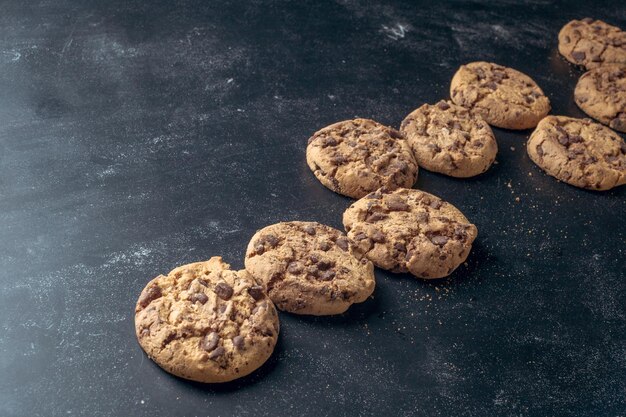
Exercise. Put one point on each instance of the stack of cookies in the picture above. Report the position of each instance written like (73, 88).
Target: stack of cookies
(208, 323)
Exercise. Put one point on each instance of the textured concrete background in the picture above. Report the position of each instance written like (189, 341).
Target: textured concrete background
(138, 136)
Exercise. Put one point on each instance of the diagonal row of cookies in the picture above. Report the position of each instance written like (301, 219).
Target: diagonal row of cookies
(208, 323)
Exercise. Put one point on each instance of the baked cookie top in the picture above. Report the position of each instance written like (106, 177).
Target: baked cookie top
(592, 43)
(355, 157)
(601, 93)
(206, 323)
(447, 138)
(309, 268)
(579, 152)
(409, 230)
(502, 96)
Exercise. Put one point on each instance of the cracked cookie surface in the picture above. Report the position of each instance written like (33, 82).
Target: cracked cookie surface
(356, 157)
(502, 96)
(601, 93)
(579, 152)
(206, 323)
(409, 230)
(309, 268)
(592, 43)
(448, 139)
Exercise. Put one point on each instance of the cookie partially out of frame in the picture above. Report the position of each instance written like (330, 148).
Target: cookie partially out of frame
(206, 323)
(449, 139)
(601, 93)
(356, 157)
(592, 43)
(502, 96)
(309, 268)
(409, 230)
(579, 152)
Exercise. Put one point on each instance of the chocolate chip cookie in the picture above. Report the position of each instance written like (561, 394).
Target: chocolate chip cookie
(309, 268)
(579, 152)
(206, 323)
(448, 139)
(601, 93)
(358, 156)
(502, 96)
(409, 230)
(592, 43)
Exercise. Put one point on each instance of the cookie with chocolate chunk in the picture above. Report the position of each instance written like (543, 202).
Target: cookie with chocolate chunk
(355, 157)
(601, 93)
(502, 96)
(448, 139)
(592, 43)
(309, 268)
(579, 152)
(408, 230)
(206, 323)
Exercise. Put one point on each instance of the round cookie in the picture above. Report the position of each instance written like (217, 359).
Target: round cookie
(448, 139)
(309, 268)
(355, 157)
(502, 96)
(408, 230)
(592, 43)
(579, 152)
(601, 93)
(206, 323)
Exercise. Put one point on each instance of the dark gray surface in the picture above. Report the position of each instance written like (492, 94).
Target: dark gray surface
(135, 137)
